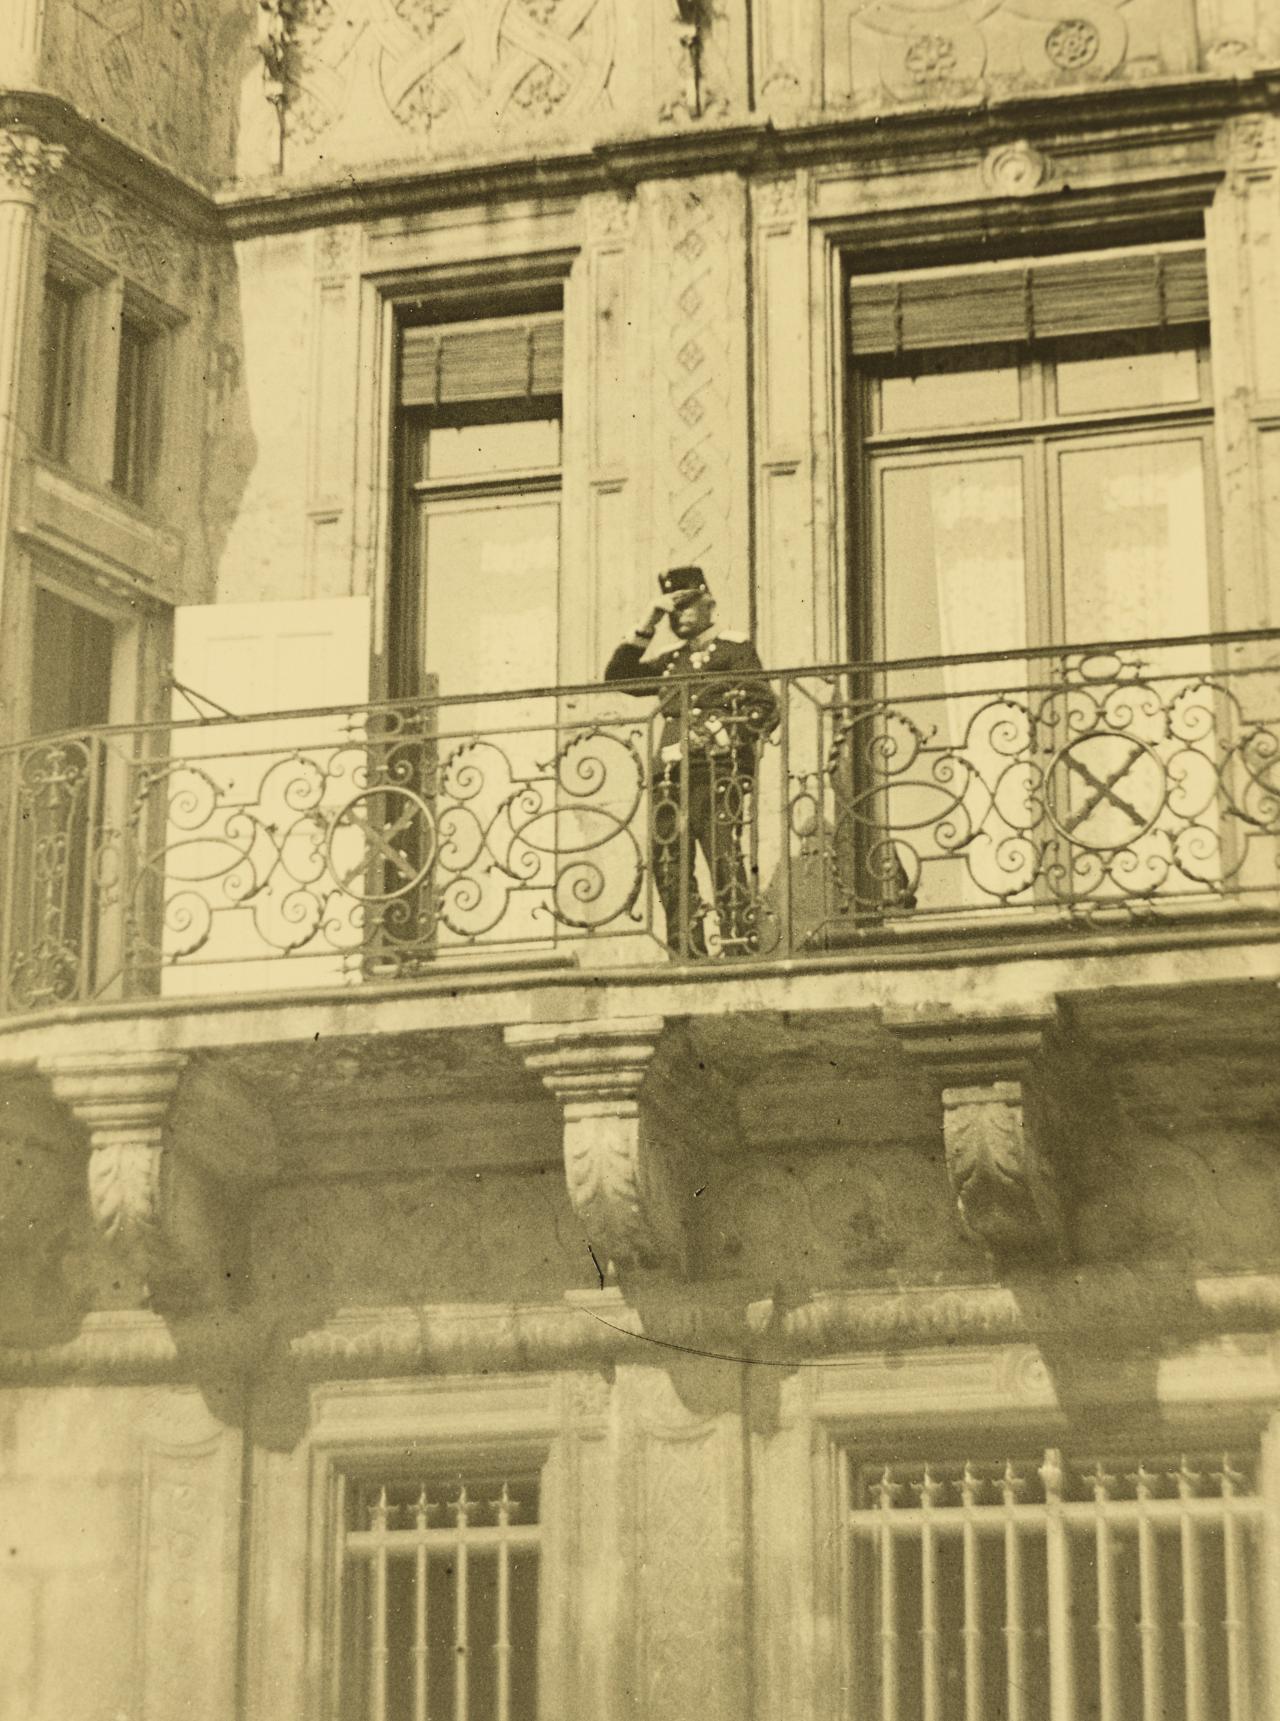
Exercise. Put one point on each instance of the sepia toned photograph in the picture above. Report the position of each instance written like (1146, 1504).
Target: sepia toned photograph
(639, 860)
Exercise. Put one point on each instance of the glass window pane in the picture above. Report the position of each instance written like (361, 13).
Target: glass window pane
(1113, 382)
(487, 450)
(1134, 542)
(58, 356)
(954, 557)
(943, 399)
(954, 576)
(492, 572)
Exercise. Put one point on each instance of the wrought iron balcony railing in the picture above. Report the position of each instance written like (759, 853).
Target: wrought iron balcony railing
(717, 821)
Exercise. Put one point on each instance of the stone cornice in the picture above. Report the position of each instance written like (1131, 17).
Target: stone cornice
(1107, 1312)
(107, 157)
(1178, 109)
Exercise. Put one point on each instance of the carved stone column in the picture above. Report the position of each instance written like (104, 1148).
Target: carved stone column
(994, 1125)
(27, 163)
(163, 1217)
(626, 1166)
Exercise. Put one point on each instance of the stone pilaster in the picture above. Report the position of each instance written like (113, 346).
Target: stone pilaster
(994, 1125)
(21, 43)
(165, 1219)
(27, 164)
(626, 1168)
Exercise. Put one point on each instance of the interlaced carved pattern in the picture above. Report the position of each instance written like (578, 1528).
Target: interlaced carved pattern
(1137, 782)
(448, 67)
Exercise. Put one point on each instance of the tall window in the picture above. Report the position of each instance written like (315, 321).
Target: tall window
(439, 1597)
(1034, 468)
(137, 422)
(61, 381)
(1050, 1586)
(1036, 452)
(478, 607)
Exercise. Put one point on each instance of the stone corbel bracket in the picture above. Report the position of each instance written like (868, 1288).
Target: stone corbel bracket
(161, 1140)
(631, 1145)
(995, 1125)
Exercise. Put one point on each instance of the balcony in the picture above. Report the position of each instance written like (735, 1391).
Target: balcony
(807, 813)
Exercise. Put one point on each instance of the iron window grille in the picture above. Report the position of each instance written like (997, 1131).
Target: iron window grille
(438, 1597)
(1056, 1587)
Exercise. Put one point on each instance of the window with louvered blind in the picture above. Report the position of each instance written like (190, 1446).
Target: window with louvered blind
(1031, 464)
(476, 601)
(999, 304)
(1033, 458)
(503, 359)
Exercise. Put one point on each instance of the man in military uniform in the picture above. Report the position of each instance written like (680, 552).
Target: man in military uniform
(716, 708)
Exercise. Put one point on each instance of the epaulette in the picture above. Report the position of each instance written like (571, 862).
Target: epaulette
(737, 638)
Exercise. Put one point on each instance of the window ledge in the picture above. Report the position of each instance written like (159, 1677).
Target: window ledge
(100, 529)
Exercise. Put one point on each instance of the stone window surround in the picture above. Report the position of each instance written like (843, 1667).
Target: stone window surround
(514, 1422)
(107, 298)
(944, 1403)
(922, 224)
(452, 287)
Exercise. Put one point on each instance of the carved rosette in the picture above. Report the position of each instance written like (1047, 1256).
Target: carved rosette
(159, 1220)
(617, 1159)
(28, 164)
(994, 1127)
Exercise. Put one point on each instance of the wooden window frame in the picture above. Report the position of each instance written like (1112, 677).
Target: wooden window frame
(1036, 435)
(137, 465)
(407, 619)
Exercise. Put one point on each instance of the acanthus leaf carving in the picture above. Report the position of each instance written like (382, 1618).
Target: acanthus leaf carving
(617, 1155)
(995, 1124)
(28, 164)
(163, 1218)
(1002, 1185)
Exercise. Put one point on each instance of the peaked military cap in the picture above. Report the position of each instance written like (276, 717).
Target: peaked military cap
(682, 580)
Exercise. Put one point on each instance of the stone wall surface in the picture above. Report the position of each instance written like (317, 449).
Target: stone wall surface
(161, 74)
(117, 1557)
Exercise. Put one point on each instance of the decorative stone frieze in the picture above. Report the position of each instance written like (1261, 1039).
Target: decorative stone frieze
(626, 1159)
(165, 1219)
(994, 1125)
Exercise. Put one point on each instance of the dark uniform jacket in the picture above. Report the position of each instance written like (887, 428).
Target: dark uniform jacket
(731, 707)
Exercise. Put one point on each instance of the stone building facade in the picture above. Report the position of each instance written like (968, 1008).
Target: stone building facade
(430, 1286)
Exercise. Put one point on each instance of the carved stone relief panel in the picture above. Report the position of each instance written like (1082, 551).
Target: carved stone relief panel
(1236, 35)
(880, 53)
(444, 77)
(127, 237)
(685, 1514)
(699, 379)
(158, 72)
(189, 1556)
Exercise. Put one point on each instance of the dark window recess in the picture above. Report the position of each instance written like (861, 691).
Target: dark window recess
(59, 365)
(137, 411)
(71, 680)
